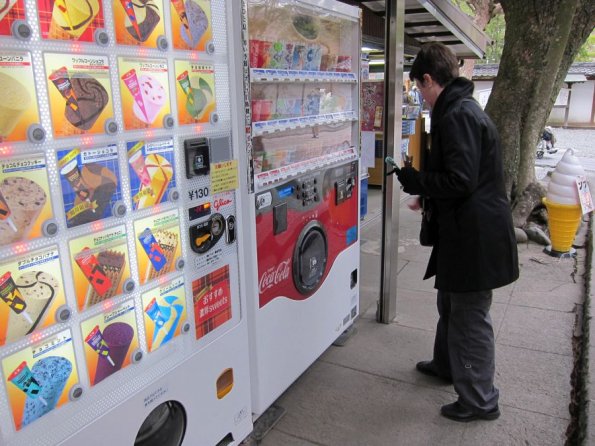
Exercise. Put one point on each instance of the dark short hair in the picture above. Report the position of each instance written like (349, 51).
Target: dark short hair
(437, 60)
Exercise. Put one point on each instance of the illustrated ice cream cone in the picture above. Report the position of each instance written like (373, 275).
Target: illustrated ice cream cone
(52, 374)
(160, 172)
(25, 199)
(15, 101)
(154, 98)
(71, 18)
(38, 289)
(118, 336)
(168, 242)
(563, 203)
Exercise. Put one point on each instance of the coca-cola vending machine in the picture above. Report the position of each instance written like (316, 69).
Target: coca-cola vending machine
(122, 289)
(302, 99)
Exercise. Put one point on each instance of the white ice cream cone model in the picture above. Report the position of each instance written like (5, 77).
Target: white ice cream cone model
(563, 205)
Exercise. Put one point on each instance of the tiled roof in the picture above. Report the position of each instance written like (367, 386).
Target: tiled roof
(489, 71)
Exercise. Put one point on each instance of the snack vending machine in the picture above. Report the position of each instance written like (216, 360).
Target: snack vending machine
(122, 296)
(302, 100)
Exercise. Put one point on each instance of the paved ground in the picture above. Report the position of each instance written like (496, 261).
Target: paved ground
(367, 392)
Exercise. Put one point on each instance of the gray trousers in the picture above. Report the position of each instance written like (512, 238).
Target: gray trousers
(464, 347)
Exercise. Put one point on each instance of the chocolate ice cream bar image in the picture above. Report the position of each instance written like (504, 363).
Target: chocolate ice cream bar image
(143, 20)
(38, 289)
(152, 249)
(11, 295)
(93, 271)
(26, 200)
(168, 242)
(118, 336)
(98, 344)
(112, 263)
(127, 5)
(61, 80)
(92, 98)
(52, 374)
(25, 381)
(198, 23)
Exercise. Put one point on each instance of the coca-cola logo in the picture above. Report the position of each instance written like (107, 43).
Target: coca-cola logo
(273, 276)
(220, 202)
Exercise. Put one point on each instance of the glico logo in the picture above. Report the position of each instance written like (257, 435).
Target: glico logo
(273, 276)
(220, 202)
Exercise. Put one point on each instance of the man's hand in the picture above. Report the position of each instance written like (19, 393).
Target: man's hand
(409, 178)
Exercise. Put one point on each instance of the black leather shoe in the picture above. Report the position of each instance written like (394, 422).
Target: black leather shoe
(458, 412)
(428, 368)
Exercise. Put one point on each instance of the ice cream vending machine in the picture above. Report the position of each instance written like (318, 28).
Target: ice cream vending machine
(301, 78)
(122, 299)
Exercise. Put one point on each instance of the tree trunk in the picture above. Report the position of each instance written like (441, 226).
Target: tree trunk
(542, 39)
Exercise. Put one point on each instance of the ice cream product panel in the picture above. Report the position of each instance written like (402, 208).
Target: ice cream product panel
(70, 19)
(79, 93)
(158, 247)
(110, 338)
(138, 22)
(90, 184)
(100, 265)
(24, 198)
(145, 92)
(211, 296)
(39, 378)
(31, 291)
(195, 91)
(151, 171)
(164, 311)
(18, 110)
(191, 24)
(10, 12)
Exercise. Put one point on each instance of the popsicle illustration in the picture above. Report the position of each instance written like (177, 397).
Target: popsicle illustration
(137, 161)
(184, 81)
(129, 8)
(131, 81)
(5, 213)
(181, 10)
(25, 381)
(72, 173)
(93, 271)
(11, 295)
(61, 5)
(152, 249)
(156, 313)
(61, 80)
(98, 344)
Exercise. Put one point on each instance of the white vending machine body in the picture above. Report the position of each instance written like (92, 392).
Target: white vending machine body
(123, 212)
(302, 99)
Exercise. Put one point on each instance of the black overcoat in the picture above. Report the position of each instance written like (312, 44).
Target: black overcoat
(463, 175)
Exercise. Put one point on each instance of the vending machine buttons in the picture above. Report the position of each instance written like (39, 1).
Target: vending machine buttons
(230, 235)
(206, 234)
(197, 157)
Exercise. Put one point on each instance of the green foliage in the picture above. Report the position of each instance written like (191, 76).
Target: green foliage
(587, 51)
(495, 29)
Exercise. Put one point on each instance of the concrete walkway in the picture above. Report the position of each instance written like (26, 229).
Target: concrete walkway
(368, 393)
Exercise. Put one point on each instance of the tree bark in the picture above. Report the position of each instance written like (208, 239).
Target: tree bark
(542, 39)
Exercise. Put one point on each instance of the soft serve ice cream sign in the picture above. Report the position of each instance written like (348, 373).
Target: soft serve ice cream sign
(567, 198)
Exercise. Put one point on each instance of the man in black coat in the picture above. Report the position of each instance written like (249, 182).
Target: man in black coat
(475, 246)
